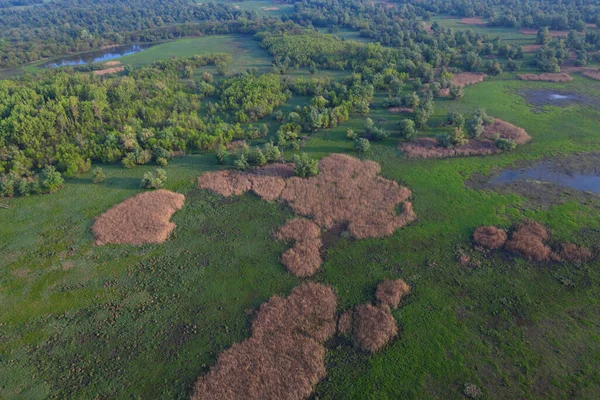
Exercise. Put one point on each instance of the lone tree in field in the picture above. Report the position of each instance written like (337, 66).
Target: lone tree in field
(407, 129)
(456, 92)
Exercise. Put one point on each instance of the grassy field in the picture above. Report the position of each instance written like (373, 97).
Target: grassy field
(511, 35)
(81, 321)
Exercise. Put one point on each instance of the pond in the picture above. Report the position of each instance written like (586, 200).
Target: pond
(544, 172)
(545, 97)
(97, 56)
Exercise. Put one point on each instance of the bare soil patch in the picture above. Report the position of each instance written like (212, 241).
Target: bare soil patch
(303, 259)
(284, 358)
(473, 21)
(558, 77)
(106, 71)
(144, 218)
(486, 145)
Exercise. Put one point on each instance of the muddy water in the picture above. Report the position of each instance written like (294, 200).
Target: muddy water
(547, 97)
(544, 172)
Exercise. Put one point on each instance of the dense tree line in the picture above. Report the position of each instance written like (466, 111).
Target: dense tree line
(62, 26)
(68, 119)
(18, 3)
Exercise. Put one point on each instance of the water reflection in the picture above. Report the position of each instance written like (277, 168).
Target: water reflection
(97, 56)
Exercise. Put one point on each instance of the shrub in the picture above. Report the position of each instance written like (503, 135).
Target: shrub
(150, 181)
(257, 157)
(407, 129)
(456, 92)
(222, 154)
(490, 237)
(574, 253)
(7, 187)
(362, 145)
(475, 127)
(51, 179)
(455, 118)
(99, 175)
(272, 152)
(242, 162)
(444, 140)
(506, 144)
(350, 134)
(305, 166)
(24, 188)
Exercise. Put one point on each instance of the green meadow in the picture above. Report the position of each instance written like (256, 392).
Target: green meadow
(82, 321)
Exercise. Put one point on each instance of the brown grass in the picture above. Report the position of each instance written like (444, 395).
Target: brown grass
(112, 63)
(270, 8)
(531, 48)
(528, 241)
(144, 218)
(572, 252)
(373, 327)
(591, 74)
(473, 21)
(398, 110)
(547, 77)
(490, 237)
(468, 78)
(505, 130)
(284, 358)
(349, 190)
(304, 258)
(346, 190)
(106, 71)
(390, 292)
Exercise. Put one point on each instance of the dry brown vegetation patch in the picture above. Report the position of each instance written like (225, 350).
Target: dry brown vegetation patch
(528, 241)
(398, 110)
(303, 258)
(430, 148)
(473, 21)
(344, 326)
(526, 31)
(284, 358)
(592, 74)
(572, 252)
(531, 48)
(350, 190)
(547, 77)
(468, 78)
(106, 71)
(346, 190)
(490, 237)
(390, 292)
(144, 218)
(112, 63)
(373, 327)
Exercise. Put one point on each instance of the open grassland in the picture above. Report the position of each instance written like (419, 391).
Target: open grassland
(81, 321)
(512, 35)
(267, 8)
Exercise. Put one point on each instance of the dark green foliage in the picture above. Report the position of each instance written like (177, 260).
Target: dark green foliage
(362, 145)
(272, 152)
(241, 162)
(51, 179)
(154, 181)
(506, 144)
(222, 154)
(99, 175)
(305, 166)
(456, 92)
(475, 127)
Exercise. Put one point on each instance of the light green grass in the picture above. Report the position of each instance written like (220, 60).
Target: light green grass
(511, 35)
(81, 321)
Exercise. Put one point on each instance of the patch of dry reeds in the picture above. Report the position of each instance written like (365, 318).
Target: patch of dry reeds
(572, 252)
(284, 358)
(349, 190)
(473, 21)
(490, 237)
(505, 130)
(303, 258)
(547, 77)
(107, 71)
(591, 74)
(112, 63)
(531, 48)
(373, 327)
(144, 218)
(390, 292)
(346, 190)
(526, 31)
(468, 78)
(398, 110)
(528, 241)
(430, 148)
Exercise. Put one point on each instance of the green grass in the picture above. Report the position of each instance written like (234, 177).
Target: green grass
(81, 321)
(511, 35)
(264, 8)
